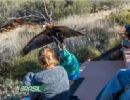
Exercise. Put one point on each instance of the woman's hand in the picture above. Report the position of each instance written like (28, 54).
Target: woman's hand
(61, 46)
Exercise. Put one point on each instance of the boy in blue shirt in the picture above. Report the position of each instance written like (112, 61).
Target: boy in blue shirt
(69, 62)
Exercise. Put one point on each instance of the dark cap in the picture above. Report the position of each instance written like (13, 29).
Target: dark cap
(127, 28)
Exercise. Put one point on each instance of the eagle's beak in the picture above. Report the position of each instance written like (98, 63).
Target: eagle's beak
(44, 26)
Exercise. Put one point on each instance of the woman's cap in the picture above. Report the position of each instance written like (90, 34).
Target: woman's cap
(127, 28)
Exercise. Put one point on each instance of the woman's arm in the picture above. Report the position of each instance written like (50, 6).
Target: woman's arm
(28, 78)
(32, 79)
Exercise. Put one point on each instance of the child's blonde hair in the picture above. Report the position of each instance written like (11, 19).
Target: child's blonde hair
(48, 57)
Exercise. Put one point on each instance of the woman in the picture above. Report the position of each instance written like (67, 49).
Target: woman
(126, 36)
(53, 77)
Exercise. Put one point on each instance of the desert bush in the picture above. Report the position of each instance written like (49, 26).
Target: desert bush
(114, 43)
(104, 5)
(11, 90)
(20, 66)
(122, 16)
(87, 52)
(34, 7)
(11, 43)
(99, 32)
(58, 8)
(17, 67)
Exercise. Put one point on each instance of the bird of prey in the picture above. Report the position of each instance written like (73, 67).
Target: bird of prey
(48, 36)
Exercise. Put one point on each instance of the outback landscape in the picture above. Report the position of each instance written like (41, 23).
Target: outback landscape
(98, 20)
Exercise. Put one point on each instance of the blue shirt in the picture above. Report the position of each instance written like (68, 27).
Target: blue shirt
(70, 63)
(126, 43)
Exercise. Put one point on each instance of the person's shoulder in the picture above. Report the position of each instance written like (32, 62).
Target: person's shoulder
(60, 68)
(40, 73)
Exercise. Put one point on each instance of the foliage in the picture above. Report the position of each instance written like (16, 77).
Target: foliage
(34, 7)
(57, 7)
(20, 66)
(10, 90)
(113, 43)
(97, 5)
(122, 16)
(86, 53)
(11, 44)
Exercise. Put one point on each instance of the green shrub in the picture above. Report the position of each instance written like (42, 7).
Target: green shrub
(97, 5)
(122, 16)
(113, 43)
(58, 8)
(86, 53)
(20, 66)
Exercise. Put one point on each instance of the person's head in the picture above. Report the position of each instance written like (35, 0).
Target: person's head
(47, 58)
(126, 31)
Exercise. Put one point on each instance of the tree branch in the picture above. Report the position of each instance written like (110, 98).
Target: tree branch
(49, 16)
(24, 17)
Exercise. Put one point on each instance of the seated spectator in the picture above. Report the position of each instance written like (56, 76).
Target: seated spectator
(118, 88)
(53, 77)
(126, 36)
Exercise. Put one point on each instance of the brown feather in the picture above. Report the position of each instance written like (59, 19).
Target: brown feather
(37, 42)
(46, 37)
(66, 31)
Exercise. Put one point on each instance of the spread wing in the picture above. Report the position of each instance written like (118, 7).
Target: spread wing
(37, 42)
(67, 32)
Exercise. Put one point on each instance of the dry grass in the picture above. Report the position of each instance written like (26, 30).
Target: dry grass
(94, 26)
(18, 37)
(12, 42)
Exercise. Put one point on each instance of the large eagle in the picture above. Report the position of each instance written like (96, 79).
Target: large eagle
(49, 35)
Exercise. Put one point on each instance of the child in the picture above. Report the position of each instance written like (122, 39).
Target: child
(69, 62)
